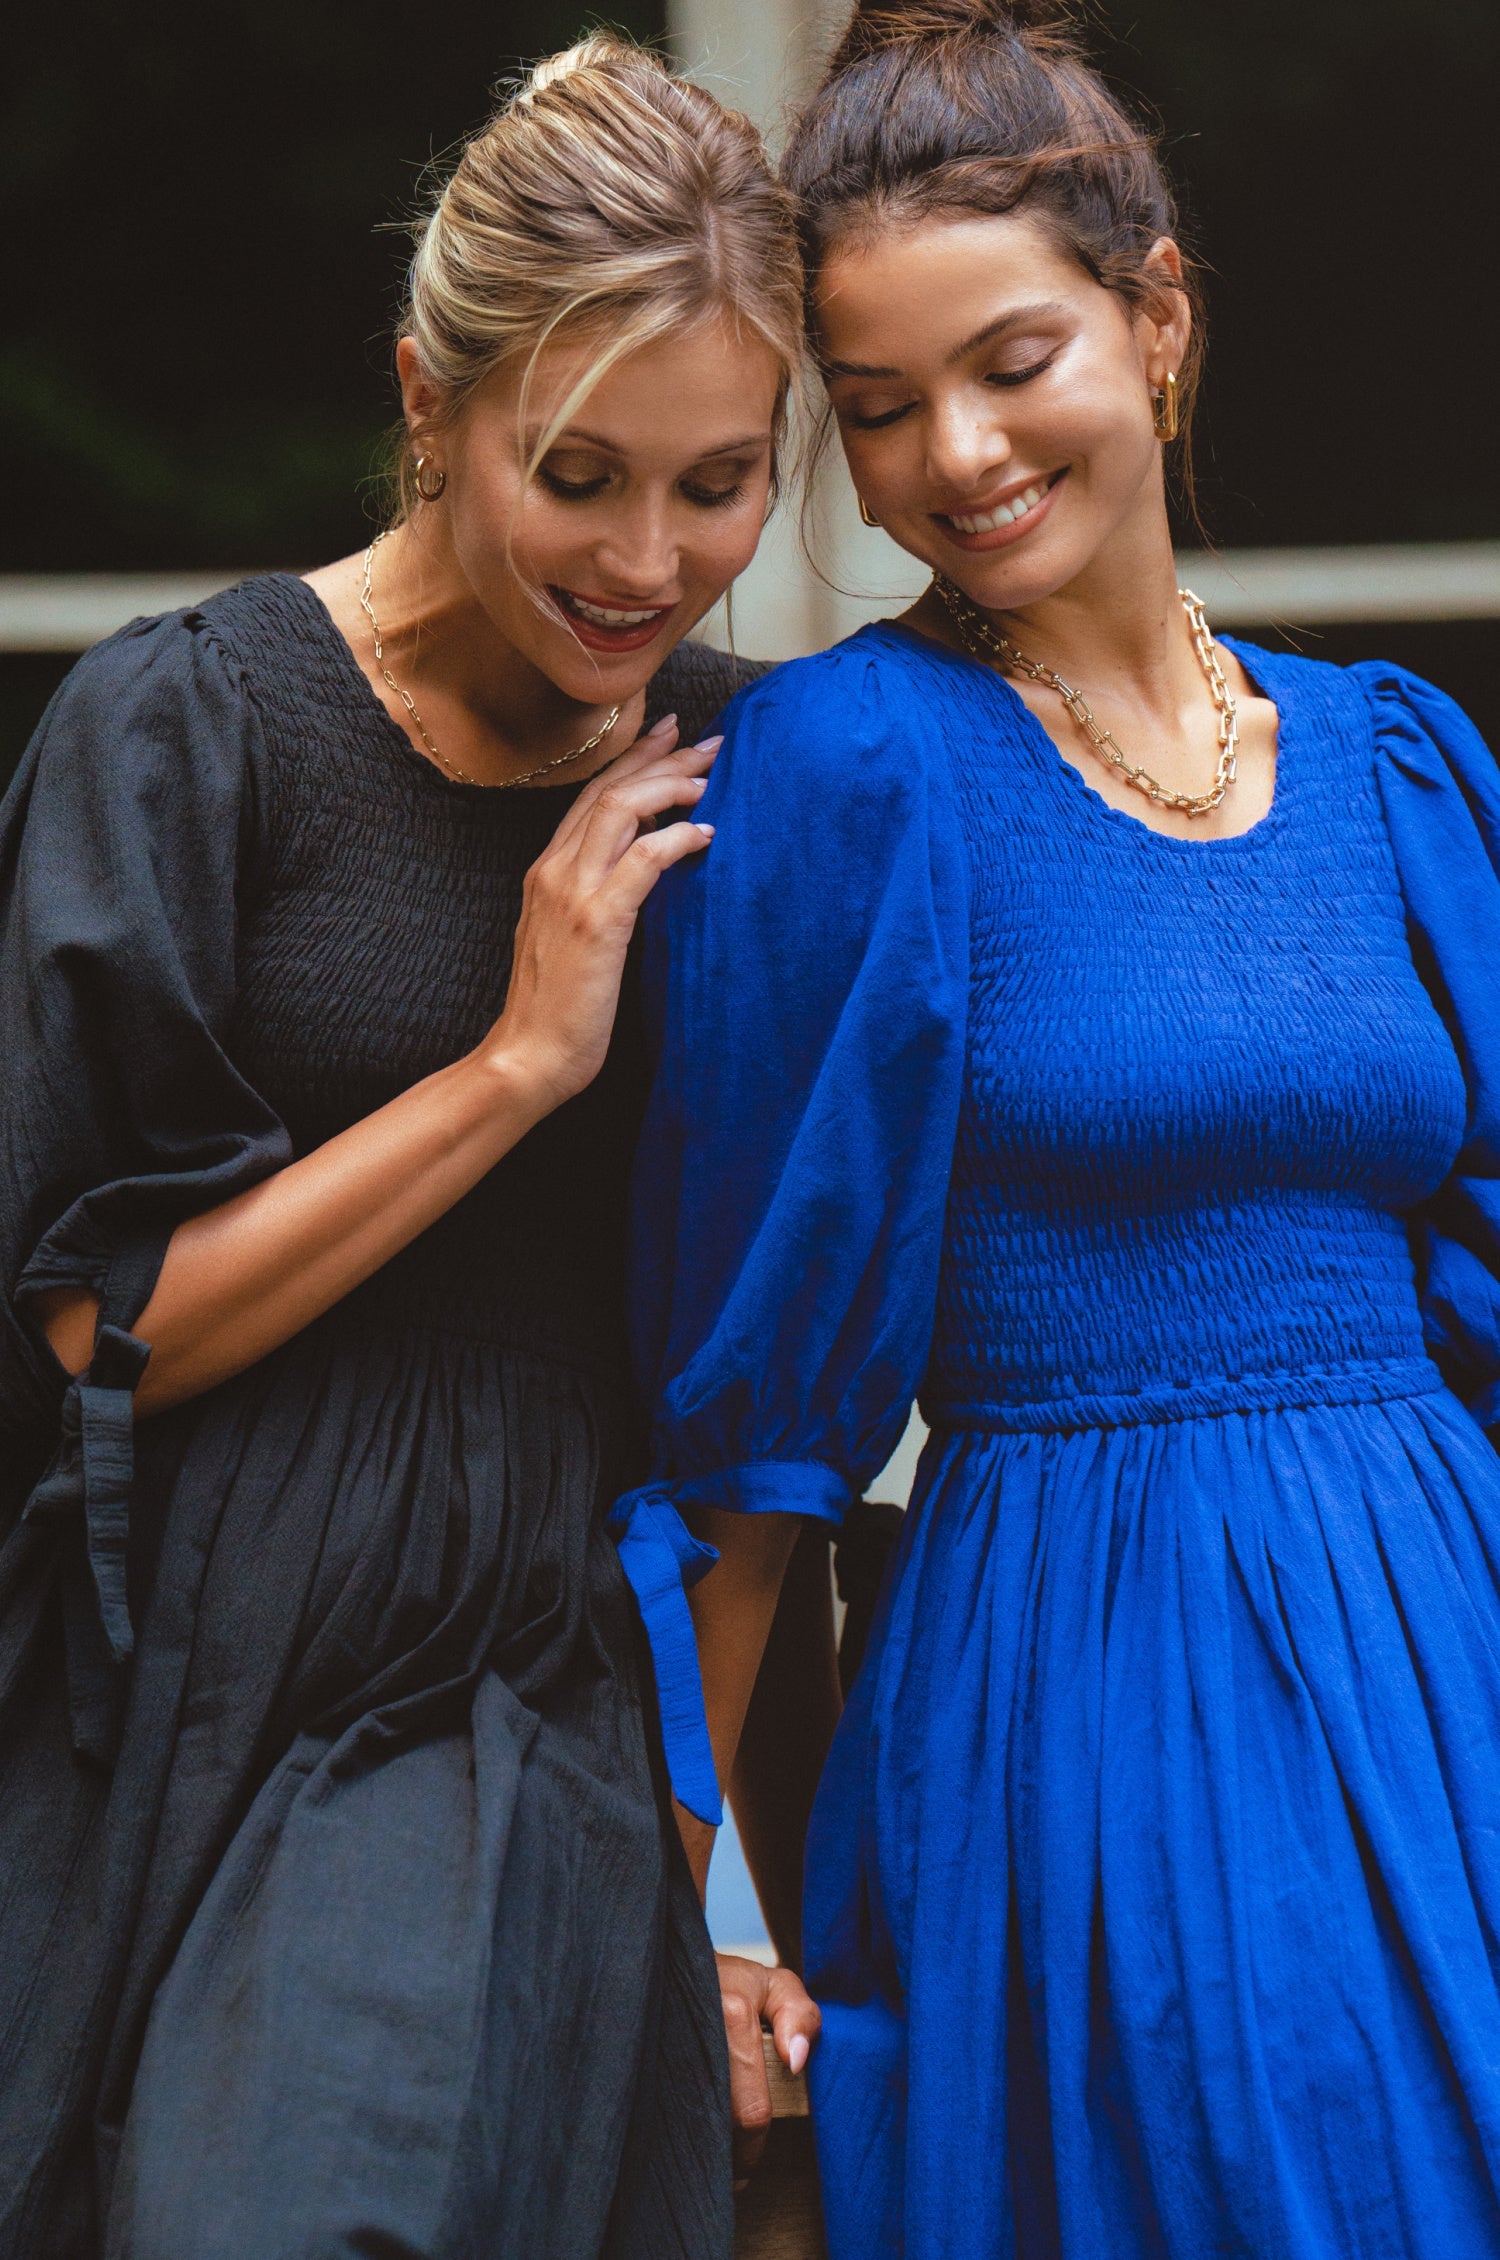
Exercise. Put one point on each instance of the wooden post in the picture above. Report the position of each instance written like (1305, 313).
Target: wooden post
(763, 57)
(778, 2217)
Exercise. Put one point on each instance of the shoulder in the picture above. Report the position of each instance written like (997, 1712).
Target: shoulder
(1407, 710)
(695, 682)
(1284, 676)
(157, 715)
(846, 725)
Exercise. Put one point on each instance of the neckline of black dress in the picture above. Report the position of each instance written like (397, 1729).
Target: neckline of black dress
(331, 639)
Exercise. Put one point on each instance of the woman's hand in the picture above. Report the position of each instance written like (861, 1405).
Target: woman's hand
(579, 910)
(752, 1995)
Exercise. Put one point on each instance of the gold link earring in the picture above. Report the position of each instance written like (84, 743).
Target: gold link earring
(864, 513)
(1164, 407)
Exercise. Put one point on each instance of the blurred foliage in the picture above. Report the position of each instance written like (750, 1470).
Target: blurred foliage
(1336, 159)
(206, 225)
(204, 215)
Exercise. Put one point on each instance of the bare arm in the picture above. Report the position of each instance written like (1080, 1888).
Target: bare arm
(732, 1611)
(784, 1741)
(246, 1276)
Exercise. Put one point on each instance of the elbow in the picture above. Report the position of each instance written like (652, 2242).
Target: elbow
(758, 1546)
(68, 1317)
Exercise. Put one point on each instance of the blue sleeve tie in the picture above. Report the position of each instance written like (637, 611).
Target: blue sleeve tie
(661, 1559)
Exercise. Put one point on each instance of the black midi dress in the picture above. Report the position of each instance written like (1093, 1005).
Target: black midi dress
(341, 1907)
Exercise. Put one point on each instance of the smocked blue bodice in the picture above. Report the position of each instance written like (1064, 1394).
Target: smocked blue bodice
(1203, 1086)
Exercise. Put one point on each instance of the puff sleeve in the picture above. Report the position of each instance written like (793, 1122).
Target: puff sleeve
(1441, 793)
(128, 842)
(806, 986)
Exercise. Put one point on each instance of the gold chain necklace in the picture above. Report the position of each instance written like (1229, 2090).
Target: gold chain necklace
(982, 641)
(461, 776)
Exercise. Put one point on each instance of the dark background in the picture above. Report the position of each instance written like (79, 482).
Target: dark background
(203, 219)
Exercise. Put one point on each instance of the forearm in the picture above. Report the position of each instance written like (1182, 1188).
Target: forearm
(732, 1611)
(784, 1742)
(243, 1278)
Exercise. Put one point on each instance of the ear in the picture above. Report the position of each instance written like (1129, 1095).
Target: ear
(1167, 318)
(420, 398)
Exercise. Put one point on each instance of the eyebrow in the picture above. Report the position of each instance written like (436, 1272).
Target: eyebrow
(970, 344)
(610, 447)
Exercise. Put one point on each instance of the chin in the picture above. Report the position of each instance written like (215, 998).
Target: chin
(1012, 585)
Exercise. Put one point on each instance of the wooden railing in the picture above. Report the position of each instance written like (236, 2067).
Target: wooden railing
(778, 2217)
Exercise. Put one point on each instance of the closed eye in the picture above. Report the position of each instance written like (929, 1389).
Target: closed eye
(571, 490)
(713, 498)
(879, 423)
(1020, 376)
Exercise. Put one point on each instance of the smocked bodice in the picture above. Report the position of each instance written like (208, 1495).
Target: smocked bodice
(1203, 1084)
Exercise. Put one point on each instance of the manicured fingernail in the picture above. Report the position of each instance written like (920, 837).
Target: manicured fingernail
(796, 2055)
(709, 745)
(706, 829)
(665, 723)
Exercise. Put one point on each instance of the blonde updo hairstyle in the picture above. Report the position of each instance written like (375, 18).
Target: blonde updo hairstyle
(607, 200)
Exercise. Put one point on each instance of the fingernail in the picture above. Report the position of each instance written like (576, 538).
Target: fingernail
(796, 2055)
(710, 745)
(664, 723)
(706, 829)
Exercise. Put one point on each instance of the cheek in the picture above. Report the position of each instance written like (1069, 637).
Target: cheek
(1109, 433)
(717, 549)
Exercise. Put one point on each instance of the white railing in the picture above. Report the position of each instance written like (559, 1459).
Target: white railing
(1241, 587)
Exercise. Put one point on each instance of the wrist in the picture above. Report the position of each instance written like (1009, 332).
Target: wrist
(522, 1081)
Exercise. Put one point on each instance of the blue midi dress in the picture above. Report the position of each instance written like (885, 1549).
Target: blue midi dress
(1154, 1883)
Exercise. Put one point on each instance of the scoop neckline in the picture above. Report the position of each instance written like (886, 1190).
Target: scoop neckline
(1074, 784)
(396, 738)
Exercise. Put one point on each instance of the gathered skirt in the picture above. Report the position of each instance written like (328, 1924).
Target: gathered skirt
(378, 1939)
(1154, 1888)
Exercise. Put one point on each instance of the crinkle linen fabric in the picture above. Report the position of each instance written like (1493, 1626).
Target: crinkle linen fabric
(1154, 1888)
(346, 1914)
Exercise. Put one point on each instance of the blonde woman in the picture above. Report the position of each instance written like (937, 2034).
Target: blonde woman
(341, 1905)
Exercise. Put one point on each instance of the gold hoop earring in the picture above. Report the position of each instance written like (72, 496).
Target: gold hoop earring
(439, 481)
(1164, 416)
(864, 513)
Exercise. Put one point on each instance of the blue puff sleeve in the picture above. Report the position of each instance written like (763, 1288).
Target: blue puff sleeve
(128, 842)
(1441, 791)
(806, 985)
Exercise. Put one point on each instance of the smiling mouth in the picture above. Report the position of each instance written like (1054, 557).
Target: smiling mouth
(1011, 513)
(618, 617)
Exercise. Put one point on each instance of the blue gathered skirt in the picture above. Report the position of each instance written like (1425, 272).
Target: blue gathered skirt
(1155, 1881)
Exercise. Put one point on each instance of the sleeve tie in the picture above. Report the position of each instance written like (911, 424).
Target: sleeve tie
(84, 1500)
(661, 1559)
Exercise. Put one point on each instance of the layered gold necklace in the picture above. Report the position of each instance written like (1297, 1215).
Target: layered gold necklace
(461, 776)
(982, 641)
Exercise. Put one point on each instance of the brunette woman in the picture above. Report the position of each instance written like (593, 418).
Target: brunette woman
(1112, 1050)
(341, 1906)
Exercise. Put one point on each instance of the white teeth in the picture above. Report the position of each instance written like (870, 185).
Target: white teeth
(608, 619)
(987, 521)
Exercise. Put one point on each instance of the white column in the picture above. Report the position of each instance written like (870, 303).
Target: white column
(763, 57)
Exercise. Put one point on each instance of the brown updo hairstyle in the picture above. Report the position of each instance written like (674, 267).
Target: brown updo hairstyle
(984, 106)
(607, 199)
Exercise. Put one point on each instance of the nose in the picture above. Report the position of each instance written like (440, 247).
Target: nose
(638, 553)
(968, 447)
